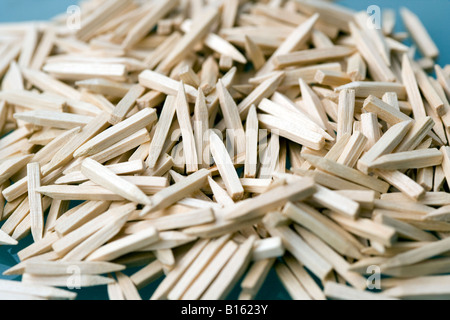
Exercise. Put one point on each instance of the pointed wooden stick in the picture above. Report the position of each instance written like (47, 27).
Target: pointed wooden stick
(410, 159)
(108, 179)
(347, 173)
(295, 40)
(419, 34)
(35, 200)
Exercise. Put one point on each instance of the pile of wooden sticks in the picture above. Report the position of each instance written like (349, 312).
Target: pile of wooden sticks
(209, 141)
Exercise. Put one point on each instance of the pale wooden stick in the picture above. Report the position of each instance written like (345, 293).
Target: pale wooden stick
(180, 190)
(108, 179)
(367, 229)
(410, 159)
(356, 67)
(74, 238)
(125, 245)
(53, 119)
(147, 275)
(315, 107)
(404, 229)
(234, 269)
(203, 261)
(417, 133)
(226, 167)
(370, 128)
(199, 29)
(353, 150)
(12, 165)
(65, 154)
(377, 66)
(176, 273)
(311, 56)
(322, 227)
(336, 202)
(100, 237)
(183, 115)
(295, 40)
(417, 255)
(342, 292)
(410, 82)
(290, 282)
(118, 132)
(45, 292)
(231, 117)
(162, 129)
(338, 263)
(347, 173)
(161, 83)
(63, 268)
(80, 215)
(251, 144)
(6, 240)
(302, 251)
(255, 277)
(384, 111)
(271, 200)
(35, 200)
(304, 278)
(332, 78)
(346, 111)
(126, 104)
(419, 34)
(268, 248)
(201, 126)
(254, 53)
(386, 144)
(148, 22)
(85, 281)
(198, 287)
(130, 167)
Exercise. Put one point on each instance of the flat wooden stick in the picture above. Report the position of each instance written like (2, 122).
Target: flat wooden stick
(145, 25)
(386, 144)
(417, 255)
(116, 133)
(199, 29)
(335, 260)
(342, 292)
(410, 159)
(291, 284)
(410, 82)
(184, 119)
(128, 244)
(35, 200)
(108, 179)
(180, 190)
(226, 167)
(295, 40)
(347, 173)
(322, 227)
(302, 251)
(419, 34)
(46, 292)
(346, 111)
(231, 273)
(384, 111)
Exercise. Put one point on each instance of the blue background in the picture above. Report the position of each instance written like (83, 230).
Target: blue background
(433, 13)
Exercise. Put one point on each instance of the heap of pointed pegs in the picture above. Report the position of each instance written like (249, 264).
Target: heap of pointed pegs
(208, 142)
